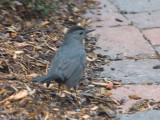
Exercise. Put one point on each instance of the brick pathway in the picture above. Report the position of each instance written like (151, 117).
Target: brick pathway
(130, 36)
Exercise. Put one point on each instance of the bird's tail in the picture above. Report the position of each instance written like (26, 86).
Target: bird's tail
(47, 78)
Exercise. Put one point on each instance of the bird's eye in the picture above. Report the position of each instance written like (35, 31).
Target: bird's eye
(81, 33)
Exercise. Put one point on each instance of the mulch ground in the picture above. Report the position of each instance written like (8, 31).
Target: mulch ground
(29, 41)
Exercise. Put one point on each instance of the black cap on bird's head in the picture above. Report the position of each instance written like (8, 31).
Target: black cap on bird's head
(76, 28)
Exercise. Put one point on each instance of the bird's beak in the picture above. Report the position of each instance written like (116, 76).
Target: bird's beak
(89, 30)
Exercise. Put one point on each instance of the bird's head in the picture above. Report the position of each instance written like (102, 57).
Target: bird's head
(78, 32)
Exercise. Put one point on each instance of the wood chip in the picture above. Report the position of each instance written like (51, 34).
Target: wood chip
(134, 96)
(108, 111)
(100, 84)
(86, 116)
(21, 94)
(94, 108)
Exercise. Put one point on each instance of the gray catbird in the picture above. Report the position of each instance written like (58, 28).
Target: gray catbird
(69, 61)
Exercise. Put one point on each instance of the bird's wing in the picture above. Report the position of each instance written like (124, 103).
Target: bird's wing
(73, 70)
(75, 77)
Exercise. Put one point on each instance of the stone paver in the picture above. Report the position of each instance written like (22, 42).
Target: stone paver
(137, 5)
(145, 20)
(158, 49)
(124, 41)
(109, 7)
(153, 35)
(108, 19)
(148, 92)
(119, 42)
(95, 14)
(126, 37)
(131, 71)
(145, 115)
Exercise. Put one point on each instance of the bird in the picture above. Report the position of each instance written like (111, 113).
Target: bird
(69, 62)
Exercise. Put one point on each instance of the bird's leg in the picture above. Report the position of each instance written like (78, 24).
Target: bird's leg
(75, 90)
(48, 83)
(76, 97)
(59, 86)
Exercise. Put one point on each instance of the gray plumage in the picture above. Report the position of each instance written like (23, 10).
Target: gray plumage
(69, 62)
